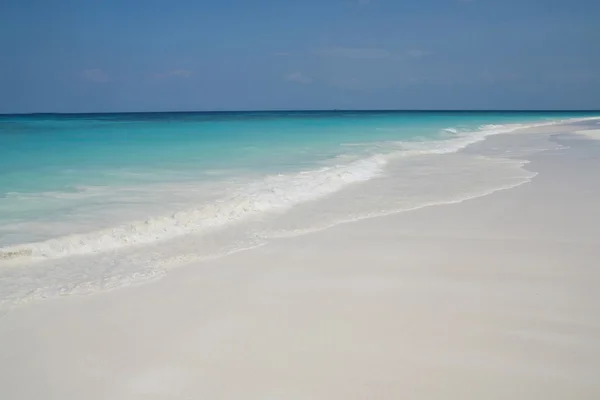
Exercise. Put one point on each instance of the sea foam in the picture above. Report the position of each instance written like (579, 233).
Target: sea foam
(373, 179)
(274, 193)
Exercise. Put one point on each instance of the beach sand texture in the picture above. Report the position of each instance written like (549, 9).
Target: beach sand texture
(494, 297)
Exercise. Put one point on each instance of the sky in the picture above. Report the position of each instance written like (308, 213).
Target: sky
(184, 55)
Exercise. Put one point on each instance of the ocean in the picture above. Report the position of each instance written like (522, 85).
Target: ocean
(91, 202)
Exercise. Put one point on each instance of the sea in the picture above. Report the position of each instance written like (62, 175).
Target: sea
(92, 202)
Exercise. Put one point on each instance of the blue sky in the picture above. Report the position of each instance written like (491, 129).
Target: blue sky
(150, 55)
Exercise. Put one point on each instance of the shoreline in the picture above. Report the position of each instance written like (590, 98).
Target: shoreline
(395, 184)
(475, 146)
(493, 297)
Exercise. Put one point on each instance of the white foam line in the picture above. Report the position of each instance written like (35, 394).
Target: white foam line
(488, 192)
(494, 130)
(274, 193)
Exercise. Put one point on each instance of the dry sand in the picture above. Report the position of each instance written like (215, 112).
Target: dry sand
(493, 298)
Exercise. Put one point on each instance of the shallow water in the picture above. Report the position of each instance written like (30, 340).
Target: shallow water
(89, 202)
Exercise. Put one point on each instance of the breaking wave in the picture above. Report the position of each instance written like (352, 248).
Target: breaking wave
(274, 193)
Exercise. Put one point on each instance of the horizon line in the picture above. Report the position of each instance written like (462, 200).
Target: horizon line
(300, 111)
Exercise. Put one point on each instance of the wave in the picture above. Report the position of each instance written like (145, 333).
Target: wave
(458, 140)
(271, 194)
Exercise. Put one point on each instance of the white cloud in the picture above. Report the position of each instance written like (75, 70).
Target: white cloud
(95, 75)
(356, 53)
(298, 77)
(176, 73)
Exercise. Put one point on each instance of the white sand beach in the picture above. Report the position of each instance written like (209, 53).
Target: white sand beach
(494, 297)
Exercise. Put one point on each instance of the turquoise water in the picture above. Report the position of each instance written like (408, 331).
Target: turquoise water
(64, 152)
(99, 189)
